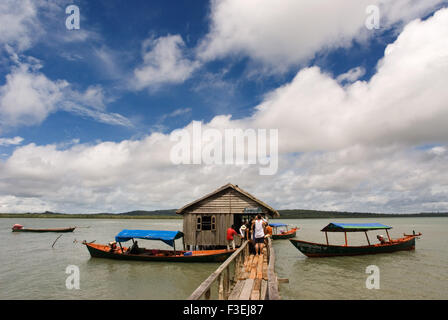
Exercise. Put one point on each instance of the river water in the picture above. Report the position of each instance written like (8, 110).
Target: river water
(31, 269)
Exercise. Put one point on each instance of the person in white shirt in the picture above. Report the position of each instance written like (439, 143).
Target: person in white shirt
(258, 228)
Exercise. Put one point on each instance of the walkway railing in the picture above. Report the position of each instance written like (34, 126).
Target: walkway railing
(272, 277)
(222, 276)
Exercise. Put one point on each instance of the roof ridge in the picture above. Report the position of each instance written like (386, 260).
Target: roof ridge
(234, 187)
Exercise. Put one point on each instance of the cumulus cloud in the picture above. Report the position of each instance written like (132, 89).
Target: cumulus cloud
(131, 175)
(10, 141)
(351, 75)
(19, 21)
(28, 97)
(283, 33)
(404, 102)
(164, 62)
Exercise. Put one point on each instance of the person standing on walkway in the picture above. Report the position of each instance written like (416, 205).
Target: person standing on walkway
(230, 241)
(258, 228)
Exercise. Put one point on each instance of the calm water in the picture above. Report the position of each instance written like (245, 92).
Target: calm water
(31, 269)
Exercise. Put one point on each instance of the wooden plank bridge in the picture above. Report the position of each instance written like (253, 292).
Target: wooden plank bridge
(242, 276)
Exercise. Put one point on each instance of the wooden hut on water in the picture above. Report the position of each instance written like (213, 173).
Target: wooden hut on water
(206, 220)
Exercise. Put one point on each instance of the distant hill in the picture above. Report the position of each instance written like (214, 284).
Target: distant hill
(171, 213)
(317, 214)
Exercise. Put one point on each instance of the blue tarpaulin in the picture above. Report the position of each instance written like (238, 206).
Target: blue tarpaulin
(278, 225)
(353, 227)
(166, 236)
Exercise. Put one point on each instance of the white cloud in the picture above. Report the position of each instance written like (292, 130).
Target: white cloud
(18, 23)
(28, 97)
(131, 175)
(404, 102)
(284, 33)
(10, 141)
(163, 63)
(351, 75)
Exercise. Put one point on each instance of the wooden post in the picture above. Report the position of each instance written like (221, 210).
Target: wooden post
(345, 233)
(326, 237)
(174, 246)
(207, 294)
(387, 232)
(238, 267)
(220, 287)
(368, 241)
(183, 243)
(226, 282)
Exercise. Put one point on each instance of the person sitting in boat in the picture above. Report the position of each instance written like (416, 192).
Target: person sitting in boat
(113, 246)
(381, 239)
(134, 249)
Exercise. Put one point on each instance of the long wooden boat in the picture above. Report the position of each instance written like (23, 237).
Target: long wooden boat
(280, 233)
(104, 251)
(311, 249)
(112, 251)
(18, 228)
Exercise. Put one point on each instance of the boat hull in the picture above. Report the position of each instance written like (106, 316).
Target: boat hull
(312, 250)
(44, 230)
(103, 251)
(287, 235)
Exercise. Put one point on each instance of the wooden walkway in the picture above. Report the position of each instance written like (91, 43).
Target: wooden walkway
(252, 282)
(243, 277)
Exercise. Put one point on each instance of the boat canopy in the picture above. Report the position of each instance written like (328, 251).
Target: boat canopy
(166, 236)
(278, 225)
(354, 227)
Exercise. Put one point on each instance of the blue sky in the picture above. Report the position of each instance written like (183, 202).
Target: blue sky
(141, 68)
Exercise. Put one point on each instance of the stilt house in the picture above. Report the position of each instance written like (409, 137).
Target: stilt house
(206, 220)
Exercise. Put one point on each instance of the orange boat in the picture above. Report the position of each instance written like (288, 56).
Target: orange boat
(112, 251)
(282, 231)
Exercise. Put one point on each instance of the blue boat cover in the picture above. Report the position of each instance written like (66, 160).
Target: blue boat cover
(278, 225)
(353, 227)
(166, 236)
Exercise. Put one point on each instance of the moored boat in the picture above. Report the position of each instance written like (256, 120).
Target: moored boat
(20, 228)
(112, 251)
(311, 249)
(282, 231)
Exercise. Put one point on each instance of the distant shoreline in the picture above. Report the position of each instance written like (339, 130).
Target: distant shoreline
(171, 214)
(81, 216)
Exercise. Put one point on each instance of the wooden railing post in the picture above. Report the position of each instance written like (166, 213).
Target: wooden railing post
(220, 287)
(226, 282)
